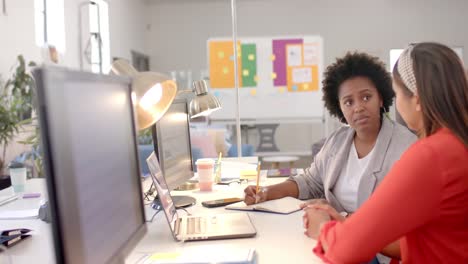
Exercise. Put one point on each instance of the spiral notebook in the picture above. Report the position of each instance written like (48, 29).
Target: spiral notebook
(285, 205)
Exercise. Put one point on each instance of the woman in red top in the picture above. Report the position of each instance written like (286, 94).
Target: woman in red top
(423, 201)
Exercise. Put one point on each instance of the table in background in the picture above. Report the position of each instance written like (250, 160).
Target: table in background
(276, 160)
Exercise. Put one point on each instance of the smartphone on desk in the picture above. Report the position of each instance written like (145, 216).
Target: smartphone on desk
(221, 202)
(286, 172)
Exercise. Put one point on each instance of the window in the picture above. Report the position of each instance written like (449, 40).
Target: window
(99, 36)
(50, 23)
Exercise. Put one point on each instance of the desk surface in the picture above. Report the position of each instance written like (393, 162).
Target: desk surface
(279, 238)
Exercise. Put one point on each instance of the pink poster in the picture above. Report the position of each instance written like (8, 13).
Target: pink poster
(279, 64)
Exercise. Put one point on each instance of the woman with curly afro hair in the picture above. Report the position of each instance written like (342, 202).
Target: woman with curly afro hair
(355, 158)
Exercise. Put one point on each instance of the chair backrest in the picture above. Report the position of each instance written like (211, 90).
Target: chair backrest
(247, 150)
(316, 147)
(267, 137)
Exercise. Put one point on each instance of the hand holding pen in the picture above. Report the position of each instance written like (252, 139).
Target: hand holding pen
(255, 194)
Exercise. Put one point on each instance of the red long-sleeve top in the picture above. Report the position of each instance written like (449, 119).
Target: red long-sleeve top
(423, 201)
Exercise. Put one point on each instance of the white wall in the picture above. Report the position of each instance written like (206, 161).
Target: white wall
(179, 29)
(17, 35)
(128, 26)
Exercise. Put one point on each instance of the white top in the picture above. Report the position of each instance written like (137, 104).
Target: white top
(347, 184)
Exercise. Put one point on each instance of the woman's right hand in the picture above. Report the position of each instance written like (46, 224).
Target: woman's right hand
(313, 201)
(252, 197)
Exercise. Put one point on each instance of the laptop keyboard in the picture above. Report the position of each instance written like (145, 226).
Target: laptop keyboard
(196, 225)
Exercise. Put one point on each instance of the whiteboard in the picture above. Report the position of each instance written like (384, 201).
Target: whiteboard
(279, 93)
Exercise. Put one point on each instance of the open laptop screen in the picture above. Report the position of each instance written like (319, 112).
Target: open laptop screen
(162, 188)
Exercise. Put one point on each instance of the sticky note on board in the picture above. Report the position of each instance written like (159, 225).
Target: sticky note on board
(253, 92)
(245, 72)
(273, 75)
(251, 57)
(272, 57)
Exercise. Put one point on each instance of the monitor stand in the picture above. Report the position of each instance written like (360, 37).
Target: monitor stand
(180, 201)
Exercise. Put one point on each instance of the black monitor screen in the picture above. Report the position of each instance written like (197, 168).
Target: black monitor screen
(91, 161)
(172, 144)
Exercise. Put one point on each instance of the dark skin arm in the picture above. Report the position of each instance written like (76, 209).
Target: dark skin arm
(280, 190)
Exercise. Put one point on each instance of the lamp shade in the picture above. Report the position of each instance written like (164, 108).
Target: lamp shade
(204, 103)
(154, 92)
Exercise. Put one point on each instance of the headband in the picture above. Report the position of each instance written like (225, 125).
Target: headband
(405, 68)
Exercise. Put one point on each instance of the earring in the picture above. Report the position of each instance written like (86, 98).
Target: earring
(384, 112)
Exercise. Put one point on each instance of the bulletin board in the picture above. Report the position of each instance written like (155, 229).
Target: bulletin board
(278, 77)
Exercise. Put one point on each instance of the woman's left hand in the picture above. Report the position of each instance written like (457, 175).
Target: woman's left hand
(334, 215)
(312, 220)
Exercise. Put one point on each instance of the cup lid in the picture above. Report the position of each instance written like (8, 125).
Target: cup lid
(15, 165)
(204, 161)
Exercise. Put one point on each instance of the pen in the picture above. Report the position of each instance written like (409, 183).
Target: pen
(218, 168)
(258, 177)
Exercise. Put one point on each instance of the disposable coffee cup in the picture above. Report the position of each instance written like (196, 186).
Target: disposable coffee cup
(205, 170)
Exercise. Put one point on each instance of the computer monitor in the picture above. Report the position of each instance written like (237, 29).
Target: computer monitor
(171, 139)
(91, 161)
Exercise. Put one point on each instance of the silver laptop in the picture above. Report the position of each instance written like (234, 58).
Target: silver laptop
(198, 227)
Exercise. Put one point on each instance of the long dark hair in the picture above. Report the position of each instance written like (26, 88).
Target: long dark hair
(442, 88)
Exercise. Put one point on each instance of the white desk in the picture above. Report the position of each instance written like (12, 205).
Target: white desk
(279, 238)
(39, 247)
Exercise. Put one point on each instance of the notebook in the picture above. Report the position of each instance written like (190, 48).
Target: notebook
(285, 205)
(198, 227)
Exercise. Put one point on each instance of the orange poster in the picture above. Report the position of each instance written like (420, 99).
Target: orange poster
(221, 59)
(302, 68)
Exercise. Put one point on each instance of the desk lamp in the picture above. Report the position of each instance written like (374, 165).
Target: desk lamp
(154, 92)
(204, 103)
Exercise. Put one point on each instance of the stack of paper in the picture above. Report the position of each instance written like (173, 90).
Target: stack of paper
(236, 170)
(19, 214)
(7, 199)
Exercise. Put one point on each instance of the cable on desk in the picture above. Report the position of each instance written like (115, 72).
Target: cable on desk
(152, 218)
(187, 212)
(149, 195)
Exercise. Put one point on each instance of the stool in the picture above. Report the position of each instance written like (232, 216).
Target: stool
(275, 160)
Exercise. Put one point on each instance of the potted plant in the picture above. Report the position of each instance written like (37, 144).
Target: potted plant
(16, 104)
(9, 123)
(20, 85)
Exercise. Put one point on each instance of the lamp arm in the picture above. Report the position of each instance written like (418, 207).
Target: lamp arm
(185, 91)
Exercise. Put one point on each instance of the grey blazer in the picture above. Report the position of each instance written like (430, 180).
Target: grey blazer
(320, 178)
